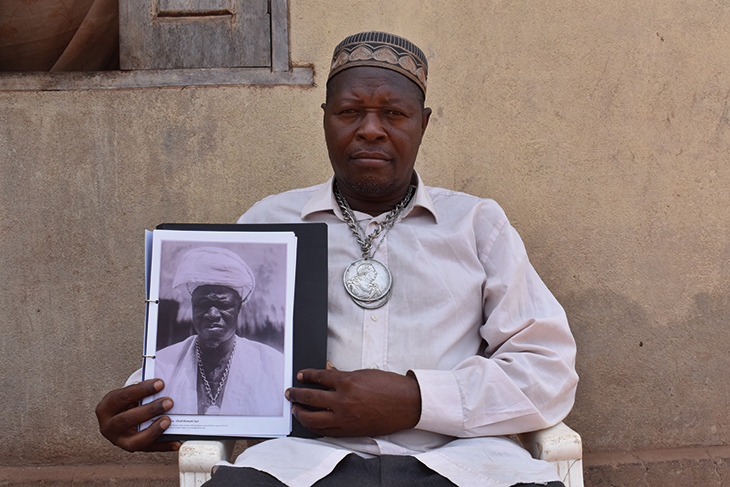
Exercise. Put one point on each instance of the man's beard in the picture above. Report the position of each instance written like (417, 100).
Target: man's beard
(369, 186)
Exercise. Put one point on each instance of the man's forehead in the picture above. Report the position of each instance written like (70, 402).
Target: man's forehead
(381, 50)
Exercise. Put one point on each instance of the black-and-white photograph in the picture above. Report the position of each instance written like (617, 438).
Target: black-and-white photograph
(219, 327)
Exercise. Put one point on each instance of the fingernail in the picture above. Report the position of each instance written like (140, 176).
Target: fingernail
(166, 404)
(286, 394)
(159, 385)
(164, 423)
(300, 376)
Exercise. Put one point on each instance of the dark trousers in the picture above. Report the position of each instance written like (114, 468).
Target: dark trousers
(352, 471)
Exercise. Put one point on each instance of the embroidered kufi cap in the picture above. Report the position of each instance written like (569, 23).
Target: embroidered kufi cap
(381, 50)
(214, 266)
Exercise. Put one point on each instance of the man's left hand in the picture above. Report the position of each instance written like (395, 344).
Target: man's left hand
(367, 402)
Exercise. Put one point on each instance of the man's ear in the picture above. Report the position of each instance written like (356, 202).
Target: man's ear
(425, 117)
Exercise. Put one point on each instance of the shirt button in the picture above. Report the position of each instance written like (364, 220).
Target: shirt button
(374, 366)
(374, 317)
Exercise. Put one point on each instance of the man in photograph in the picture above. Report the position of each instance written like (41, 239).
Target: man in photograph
(432, 371)
(198, 372)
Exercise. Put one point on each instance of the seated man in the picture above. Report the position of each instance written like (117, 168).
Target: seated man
(460, 342)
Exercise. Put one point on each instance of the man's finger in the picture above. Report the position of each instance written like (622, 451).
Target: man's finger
(324, 377)
(121, 423)
(119, 400)
(147, 439)
(310, 397)
(314, 420)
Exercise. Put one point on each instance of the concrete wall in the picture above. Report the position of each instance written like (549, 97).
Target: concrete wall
(602, 127)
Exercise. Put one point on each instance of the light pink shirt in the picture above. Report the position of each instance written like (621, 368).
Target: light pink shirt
(489, 344)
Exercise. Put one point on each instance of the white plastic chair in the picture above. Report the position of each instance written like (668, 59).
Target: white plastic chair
(197, 457)
(558, 445)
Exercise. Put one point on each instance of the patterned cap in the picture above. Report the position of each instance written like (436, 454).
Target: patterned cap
(381, 50)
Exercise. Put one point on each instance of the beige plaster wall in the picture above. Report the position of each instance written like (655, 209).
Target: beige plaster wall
(601, 127)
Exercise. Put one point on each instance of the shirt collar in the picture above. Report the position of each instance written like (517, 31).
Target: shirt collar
(324, 200)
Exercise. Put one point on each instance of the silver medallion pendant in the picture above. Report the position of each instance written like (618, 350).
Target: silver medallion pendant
(368, 282)
(213, 410)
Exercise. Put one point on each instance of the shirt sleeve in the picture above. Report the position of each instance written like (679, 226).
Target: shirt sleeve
(525, 380)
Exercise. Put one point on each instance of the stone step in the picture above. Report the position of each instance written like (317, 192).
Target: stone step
(681, 467)
(132, 475)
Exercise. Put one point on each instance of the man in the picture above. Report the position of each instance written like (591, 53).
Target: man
(198, 372)
(465, 344)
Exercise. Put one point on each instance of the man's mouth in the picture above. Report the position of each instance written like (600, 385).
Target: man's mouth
(370, 157)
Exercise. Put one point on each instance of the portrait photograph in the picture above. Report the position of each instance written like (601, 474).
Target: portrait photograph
(219, 329)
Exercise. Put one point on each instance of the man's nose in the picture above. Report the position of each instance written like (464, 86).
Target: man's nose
(371, 127)
(213, 313)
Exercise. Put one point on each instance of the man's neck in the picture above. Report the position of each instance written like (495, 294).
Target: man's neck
(214, 358)
(376, 205)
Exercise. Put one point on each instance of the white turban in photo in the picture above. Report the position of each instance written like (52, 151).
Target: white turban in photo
(214, 266)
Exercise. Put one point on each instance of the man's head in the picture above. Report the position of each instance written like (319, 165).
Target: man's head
(367, 270)
(218, 282)
(374, 118)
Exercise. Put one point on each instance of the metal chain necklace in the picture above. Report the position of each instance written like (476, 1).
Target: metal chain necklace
(213, 409)
(367, 280)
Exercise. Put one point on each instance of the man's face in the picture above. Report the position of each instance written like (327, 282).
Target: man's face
(215, 314)
(374, 121)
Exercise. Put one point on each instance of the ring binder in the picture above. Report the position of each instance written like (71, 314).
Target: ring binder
(305, 325)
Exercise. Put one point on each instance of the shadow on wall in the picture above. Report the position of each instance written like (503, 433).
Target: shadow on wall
(658, 385)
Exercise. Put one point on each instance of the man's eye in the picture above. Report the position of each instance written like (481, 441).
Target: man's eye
(395, 112)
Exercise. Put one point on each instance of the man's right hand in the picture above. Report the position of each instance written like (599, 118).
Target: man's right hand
(120, 414)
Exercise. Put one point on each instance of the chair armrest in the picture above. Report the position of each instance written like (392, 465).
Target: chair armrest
(562, 447)
(197, 457)
(558, 443)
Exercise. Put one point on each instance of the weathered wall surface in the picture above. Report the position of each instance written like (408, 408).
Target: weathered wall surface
(601, 127)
